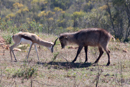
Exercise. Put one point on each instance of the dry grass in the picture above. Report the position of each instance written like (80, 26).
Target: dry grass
(61, 73)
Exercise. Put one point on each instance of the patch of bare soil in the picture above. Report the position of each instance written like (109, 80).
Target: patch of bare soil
(3, 46)
(61, 73)
(2, 40)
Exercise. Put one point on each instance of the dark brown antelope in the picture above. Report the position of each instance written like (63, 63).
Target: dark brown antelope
(87, 37)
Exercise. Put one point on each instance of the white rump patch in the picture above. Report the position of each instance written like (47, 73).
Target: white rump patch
(49, 48)
(20, 31)
(12, 38)
(25, 41)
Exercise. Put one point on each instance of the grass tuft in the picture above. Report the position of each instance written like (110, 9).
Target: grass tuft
(25, 73)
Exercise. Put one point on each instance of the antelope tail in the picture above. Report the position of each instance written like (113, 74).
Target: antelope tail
(113, 38)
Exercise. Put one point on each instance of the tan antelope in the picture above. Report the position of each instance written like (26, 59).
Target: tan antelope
(87, 37)
(28, 38)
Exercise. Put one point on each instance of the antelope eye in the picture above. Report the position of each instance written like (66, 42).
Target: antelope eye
(61, 40)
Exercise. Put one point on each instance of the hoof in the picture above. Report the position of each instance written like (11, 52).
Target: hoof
(15, 61)
(38, 62)
(85, 61)
(95, 64)
(72, 61)
(107, 64)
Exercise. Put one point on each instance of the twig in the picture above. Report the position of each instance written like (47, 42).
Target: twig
(121, 74)
(1, 76)
(13, 84)
(97, 77)
(31, 82)
(55, 56)
(65, 59)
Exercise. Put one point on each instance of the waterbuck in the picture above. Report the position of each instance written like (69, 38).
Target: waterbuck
(87, 37)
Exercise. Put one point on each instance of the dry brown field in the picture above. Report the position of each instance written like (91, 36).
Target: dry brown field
(56, 70)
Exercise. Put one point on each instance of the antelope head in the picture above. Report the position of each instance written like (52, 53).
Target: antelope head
(63, 40)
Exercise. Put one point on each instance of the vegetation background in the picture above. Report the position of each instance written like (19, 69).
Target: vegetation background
(57, 16)
(49, 18)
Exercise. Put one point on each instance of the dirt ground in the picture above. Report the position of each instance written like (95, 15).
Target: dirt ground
(2, 39)
(61, 73)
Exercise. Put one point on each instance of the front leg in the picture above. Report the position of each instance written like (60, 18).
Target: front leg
(79, 50)
(11, 51)
(29, 50)
(36, 51)
(86, 50)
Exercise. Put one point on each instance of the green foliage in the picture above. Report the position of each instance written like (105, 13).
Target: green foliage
(77, 17)
(8, 39)
(2, 25)
(57, 9)
(104, 7)
(10, 15)
(57, 16)
(25, 73)
(127, 40)
(77, 14)
(88, 6)
(70, 28)
(39, 1)
(55, 55)
(18, 5)
(63, 4)
(42, 13)
(118, 2)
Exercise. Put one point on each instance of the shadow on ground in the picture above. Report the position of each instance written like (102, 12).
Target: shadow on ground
(64, 65)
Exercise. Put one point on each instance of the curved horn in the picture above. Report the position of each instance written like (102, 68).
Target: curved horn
(54, 44)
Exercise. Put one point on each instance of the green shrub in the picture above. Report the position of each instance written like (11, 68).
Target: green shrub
(8, 39)
(25, 73)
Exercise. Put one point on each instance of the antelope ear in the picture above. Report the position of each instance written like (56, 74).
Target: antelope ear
(63, 37)
(66, 37)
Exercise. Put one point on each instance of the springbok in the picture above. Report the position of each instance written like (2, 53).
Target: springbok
(87, 37)
(28, 38)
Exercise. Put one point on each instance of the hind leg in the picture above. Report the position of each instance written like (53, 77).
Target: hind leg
(108, 54)
(101, 52)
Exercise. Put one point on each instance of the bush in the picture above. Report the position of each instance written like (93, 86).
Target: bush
(8, 39)
(25, 73)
